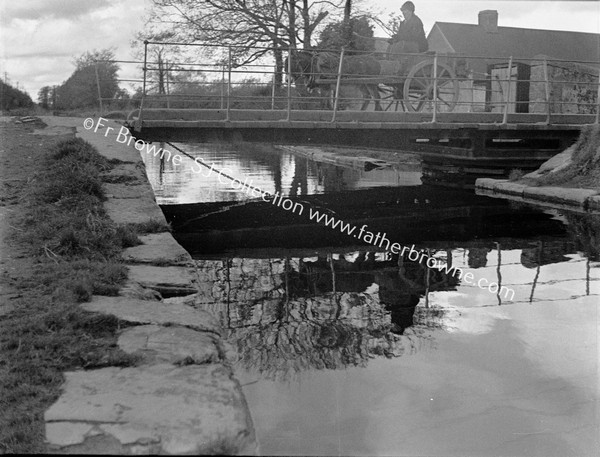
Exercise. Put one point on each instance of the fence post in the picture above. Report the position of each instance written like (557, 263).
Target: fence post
(289, 86)
(508, 80)
(435, 86)
(228, 87)
(98, 85)
(145, 70)
(337, 85)
(547, 85)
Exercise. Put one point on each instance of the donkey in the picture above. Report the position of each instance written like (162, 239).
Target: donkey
(301, 71)
(308, 66)
(327, 65)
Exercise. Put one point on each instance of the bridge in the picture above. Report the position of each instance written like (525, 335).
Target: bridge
(461, 122)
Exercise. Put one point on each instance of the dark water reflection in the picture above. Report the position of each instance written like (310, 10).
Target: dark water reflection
(345, 349)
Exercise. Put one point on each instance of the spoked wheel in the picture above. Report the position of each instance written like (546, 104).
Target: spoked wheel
(418, 87)
(391, 97)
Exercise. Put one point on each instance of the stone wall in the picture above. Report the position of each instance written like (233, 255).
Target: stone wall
(573, 88)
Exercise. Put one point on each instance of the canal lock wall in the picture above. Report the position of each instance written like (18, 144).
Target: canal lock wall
(182, 398)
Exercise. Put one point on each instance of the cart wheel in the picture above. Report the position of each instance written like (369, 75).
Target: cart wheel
(390, 98)
(418, 87)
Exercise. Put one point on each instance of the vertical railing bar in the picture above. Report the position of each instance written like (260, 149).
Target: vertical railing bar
(273, 88)
(435, 85)
(547, 85)
(227, 116)
(98, 85)
(223, 86)
(289, 86)
(145, 70)
(427, 282)
(337, 85)
(167, 81)
(499, 272)
(507, 101)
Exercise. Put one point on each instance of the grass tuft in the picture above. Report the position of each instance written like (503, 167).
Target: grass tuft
(516, 174)
(150, 226)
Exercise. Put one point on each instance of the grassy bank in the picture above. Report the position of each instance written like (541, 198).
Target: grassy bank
(583, 170)
(74, 251)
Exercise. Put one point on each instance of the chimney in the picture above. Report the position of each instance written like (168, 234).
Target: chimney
(488, 19)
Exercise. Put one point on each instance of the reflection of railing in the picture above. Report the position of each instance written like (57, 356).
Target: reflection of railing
(336, 310)
(441, 83)
(538, 262)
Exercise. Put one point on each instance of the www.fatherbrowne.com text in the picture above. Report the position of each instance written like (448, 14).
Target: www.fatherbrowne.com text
(379, 239)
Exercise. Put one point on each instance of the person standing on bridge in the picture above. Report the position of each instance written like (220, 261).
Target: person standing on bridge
(410, 36)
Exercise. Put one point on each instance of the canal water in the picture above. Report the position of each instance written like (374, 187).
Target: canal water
(346, 348)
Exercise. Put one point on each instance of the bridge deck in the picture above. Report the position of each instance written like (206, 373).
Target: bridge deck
(384, 120)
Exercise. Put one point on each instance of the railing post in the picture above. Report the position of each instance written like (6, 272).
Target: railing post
(337, 85)
(98, 85)
(167, 81)
(435, 86)
(227, 116)
(547, 85)
(508, 80)
(289, 86)
(223, 86)
(273, 88)
(145, 70)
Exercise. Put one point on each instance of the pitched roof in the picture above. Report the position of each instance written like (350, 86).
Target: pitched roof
(473, 40)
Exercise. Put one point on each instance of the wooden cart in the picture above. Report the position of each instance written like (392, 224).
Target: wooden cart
(411, 82)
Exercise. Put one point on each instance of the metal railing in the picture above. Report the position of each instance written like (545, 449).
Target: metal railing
(431, 84)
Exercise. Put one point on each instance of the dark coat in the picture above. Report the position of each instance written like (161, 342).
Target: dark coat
(411, 30)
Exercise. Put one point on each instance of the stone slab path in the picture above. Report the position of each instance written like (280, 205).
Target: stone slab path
(156, 409)
(182, 397)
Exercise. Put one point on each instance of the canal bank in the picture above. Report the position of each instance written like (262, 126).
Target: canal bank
(569, 180)
(181, 396)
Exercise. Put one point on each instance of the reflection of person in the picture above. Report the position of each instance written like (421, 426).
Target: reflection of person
(411, 31)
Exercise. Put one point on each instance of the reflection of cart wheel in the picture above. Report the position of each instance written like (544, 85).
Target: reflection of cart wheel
(418, 87)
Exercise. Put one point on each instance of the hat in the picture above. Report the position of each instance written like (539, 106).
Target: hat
(410, 6)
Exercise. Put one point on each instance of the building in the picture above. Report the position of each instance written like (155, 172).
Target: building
(546, 64)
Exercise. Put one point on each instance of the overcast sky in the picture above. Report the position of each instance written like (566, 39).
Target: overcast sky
(40, 38)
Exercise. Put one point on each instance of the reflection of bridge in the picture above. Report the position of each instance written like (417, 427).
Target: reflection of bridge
(408, 214)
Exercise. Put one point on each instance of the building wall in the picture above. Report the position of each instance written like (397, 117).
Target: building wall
(573, 89)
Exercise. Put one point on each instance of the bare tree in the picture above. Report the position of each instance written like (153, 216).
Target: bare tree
(252, 28)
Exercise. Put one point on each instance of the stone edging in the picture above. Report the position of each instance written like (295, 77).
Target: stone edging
(583, 200)
(182, 397)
